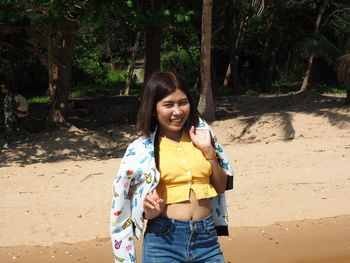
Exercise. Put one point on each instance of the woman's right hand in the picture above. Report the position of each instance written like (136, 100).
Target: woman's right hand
(153, 205)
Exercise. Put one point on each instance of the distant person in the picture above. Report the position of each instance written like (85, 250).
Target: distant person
(21, 106)
(10, 115)
(174, 176)
(22, 111)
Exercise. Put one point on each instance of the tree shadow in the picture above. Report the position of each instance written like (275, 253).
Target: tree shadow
(287, 126)
(342, 121)
(251, 109)
(73, 145)
(106, 126)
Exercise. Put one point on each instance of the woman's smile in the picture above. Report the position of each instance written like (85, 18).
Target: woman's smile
(172, 114)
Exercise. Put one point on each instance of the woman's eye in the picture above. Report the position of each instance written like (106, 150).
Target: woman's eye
(182, 103)
(168, 105)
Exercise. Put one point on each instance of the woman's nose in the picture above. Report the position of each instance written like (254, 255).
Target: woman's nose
(177, 110)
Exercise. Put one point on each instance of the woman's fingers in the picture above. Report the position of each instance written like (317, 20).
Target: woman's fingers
(153, 201)
(150, 202)
(201, 139)
(147, 205)
(192, 131)
(156, 196)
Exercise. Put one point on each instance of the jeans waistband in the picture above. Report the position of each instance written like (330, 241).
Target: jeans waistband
(191, 225)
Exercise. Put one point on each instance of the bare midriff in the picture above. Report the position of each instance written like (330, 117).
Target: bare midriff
(191, 209)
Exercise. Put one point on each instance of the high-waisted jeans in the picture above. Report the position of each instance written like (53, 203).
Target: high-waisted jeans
(169, 240)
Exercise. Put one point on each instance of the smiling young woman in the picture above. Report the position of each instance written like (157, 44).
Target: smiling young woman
(175, 176)
(172, 114)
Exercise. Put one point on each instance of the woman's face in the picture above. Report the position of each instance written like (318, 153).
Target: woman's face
(172, 113)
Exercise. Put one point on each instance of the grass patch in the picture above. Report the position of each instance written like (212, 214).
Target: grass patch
(114, 84)
(328, 89)
(317, 88)
(93, 90)
(43, 99)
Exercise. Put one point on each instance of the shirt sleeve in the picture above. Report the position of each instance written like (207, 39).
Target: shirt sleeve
(121, 224)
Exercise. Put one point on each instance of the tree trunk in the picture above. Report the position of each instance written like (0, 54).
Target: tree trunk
(132, 63)
(234, 77)
(263, 70)
(232, 72)
(60, 52)
(268, 74)
(347, 99)
(312, 56)
(206, 105)
(153, 44)
(214, 79)
(266, 55)
(112, 67)
(227, 76)
(307, 73)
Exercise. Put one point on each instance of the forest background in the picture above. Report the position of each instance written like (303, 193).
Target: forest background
(55, 51)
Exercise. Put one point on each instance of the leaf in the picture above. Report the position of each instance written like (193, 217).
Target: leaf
(166, 12)
(129, 3)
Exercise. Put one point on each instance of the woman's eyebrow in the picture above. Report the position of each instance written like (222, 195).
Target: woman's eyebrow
(168, 101)
(172, 101)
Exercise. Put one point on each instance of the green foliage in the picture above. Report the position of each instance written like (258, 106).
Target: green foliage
(89, 66)
(45, 99)
(113, 84)
(107, 30)
(117, 76)
(321, 46)
(151, 14)
(288, 87)
(179, 61)
(328, 89)
(92, 90)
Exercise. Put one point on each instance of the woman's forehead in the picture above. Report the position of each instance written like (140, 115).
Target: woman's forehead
(176, 95)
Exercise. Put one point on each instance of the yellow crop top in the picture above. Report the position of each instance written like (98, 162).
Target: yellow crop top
(182, 167)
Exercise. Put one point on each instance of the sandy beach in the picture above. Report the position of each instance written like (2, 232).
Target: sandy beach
(290, 202)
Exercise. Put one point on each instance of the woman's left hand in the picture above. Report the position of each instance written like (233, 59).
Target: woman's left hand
(202, 140)
(153, 205)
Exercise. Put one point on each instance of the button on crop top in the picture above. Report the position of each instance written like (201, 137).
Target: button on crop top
(182, 167)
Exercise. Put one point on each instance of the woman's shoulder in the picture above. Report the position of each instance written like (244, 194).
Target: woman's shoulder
(137, 151)
(141, 143)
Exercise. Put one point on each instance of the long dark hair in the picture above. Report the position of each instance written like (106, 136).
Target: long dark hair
(158, 86)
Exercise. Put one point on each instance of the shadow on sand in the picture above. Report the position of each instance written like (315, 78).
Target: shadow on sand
(105, 126)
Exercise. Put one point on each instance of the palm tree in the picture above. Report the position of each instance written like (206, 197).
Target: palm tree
(312, 55)
(336, 53)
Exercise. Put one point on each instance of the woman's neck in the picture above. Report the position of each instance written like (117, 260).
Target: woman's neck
(173, 136)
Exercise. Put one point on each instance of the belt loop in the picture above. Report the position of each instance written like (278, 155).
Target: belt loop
(208, 221)
(192, 226)
(171, 224)
(205, 224)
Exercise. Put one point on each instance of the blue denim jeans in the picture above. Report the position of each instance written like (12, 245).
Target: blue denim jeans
(168, 240)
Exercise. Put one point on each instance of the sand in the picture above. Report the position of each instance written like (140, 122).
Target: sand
(290, 202)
